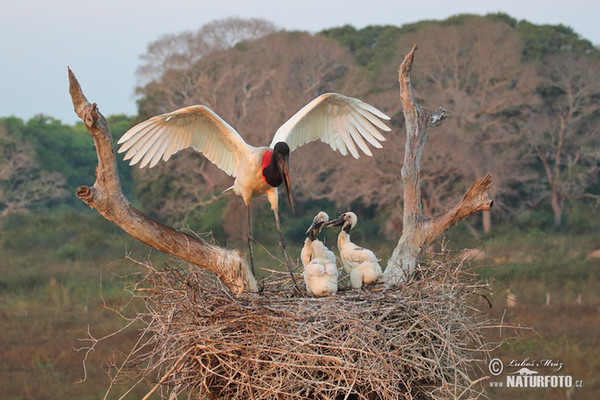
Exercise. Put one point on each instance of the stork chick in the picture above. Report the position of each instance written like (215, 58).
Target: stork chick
(321, 274)
(320, 271)
(360, 263)
(313, 234)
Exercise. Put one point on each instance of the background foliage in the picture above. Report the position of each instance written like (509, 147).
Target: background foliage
(525, 106)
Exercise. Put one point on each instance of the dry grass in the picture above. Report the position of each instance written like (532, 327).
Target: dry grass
(416, 341)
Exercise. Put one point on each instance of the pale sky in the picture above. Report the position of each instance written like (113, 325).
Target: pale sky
(102, 40)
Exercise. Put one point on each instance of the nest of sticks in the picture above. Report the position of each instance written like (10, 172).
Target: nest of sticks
(421, 340)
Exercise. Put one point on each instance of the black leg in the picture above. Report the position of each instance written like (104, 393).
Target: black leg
(250, 240)
(287, 259)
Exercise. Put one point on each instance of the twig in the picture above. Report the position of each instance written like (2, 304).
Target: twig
(169, 372)
(418, 340)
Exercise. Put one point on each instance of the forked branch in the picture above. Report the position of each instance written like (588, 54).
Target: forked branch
(419, 231)
(106, 196)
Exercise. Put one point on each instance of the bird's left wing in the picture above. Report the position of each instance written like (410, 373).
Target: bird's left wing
(196, 126)
(342, 122)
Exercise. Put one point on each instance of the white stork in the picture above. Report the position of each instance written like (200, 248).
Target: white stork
(360, 263)
(344, 123)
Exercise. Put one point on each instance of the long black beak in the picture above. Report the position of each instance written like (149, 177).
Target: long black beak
(316, 225)
(282, 164)
(336, 222)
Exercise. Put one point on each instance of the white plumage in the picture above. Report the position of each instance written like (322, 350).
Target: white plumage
(313, 234)
(342, 122)
(320, 270)
(360, 263)
(321, 274)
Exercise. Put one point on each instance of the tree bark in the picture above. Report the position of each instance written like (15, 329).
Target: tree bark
(487, 221)
(107, 198)
(419, 231)
(556, 207)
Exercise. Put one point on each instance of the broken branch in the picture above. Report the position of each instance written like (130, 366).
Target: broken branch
(106, 196)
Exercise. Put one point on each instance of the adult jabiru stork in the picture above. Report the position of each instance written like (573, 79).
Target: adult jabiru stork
(344, 123)
(360, 263)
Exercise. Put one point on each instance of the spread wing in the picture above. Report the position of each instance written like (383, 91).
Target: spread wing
(345, 123)
(196, 126)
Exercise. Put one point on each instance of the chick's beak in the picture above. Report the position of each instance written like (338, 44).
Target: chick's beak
(336, 222)
(285, 176)
(315, 225)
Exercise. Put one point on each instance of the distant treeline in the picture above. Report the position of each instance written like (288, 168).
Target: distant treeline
(524, 101)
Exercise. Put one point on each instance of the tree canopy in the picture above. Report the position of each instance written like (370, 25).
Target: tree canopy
(522, 98)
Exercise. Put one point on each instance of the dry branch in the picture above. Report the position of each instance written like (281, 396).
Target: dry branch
(418, 231)
(107, 198)
(419, 340)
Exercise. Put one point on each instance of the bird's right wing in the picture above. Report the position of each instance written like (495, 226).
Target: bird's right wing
(195, 126)
(340, 121)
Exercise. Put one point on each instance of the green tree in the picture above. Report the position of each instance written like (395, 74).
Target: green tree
(24, 184)
(540, 41)
(371, 46)
(62, 149)
(69, 150)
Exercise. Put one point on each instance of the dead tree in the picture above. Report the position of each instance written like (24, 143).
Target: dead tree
(106, 196)
(198, 342)
(418, 231)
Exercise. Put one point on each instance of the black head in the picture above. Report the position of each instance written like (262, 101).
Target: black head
(281, 155)
(281, 148)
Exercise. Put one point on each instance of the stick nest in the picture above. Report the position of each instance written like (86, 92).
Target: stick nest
(414, 341)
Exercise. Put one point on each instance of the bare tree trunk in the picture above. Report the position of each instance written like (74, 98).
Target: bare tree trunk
(418, 231)
(107, 198)
(556, 208)
(487, 221)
